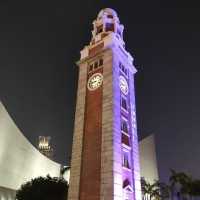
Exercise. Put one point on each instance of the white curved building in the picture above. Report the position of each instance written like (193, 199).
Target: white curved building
(148, 161)
(20, 161)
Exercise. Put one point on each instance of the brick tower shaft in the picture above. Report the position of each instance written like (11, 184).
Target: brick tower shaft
(105, 156)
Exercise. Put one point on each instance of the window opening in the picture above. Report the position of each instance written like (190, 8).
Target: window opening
(110, 27)
(110, 16)
(126, 140)
(91, 68)
(99, 29)
(126, 163)
(124, 126)
(124, 103)
(100, 62)
(123, 69)
(95, 64)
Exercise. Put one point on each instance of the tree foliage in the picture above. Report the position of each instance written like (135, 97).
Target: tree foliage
(154, 191)
(43, 188)
(180, 187)
(183, 186)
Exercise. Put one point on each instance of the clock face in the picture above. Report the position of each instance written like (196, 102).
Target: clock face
(123, 85)
(95, 81)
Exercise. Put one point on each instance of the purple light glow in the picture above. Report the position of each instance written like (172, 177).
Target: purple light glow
(120, 172)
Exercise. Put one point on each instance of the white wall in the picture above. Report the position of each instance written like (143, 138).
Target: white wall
(7, 194)
(19, 159)
(148, 162)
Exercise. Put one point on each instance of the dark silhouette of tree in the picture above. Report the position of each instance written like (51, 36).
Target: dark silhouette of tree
(43, 188)
(195, 188)
(191, 189)
(183, 186)
(179, 184)
(164, 190)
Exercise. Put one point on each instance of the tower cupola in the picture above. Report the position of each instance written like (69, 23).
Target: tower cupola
(107, 23)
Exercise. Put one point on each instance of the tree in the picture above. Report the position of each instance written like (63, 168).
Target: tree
(156, 191)
(179, 184)
(173, 180)
(192, 188)
(144, 188)
(43, 188)
(164, 190)
(183, 186)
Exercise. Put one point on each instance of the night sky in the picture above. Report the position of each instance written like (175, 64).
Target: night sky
(40, 43)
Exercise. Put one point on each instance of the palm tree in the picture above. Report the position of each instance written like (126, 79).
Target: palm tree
(147, 190)
(153, 191)
(144, 186)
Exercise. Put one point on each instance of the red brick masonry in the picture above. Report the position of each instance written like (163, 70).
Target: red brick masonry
(91, 157)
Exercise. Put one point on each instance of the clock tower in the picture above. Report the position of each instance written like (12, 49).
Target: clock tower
(105, 157)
